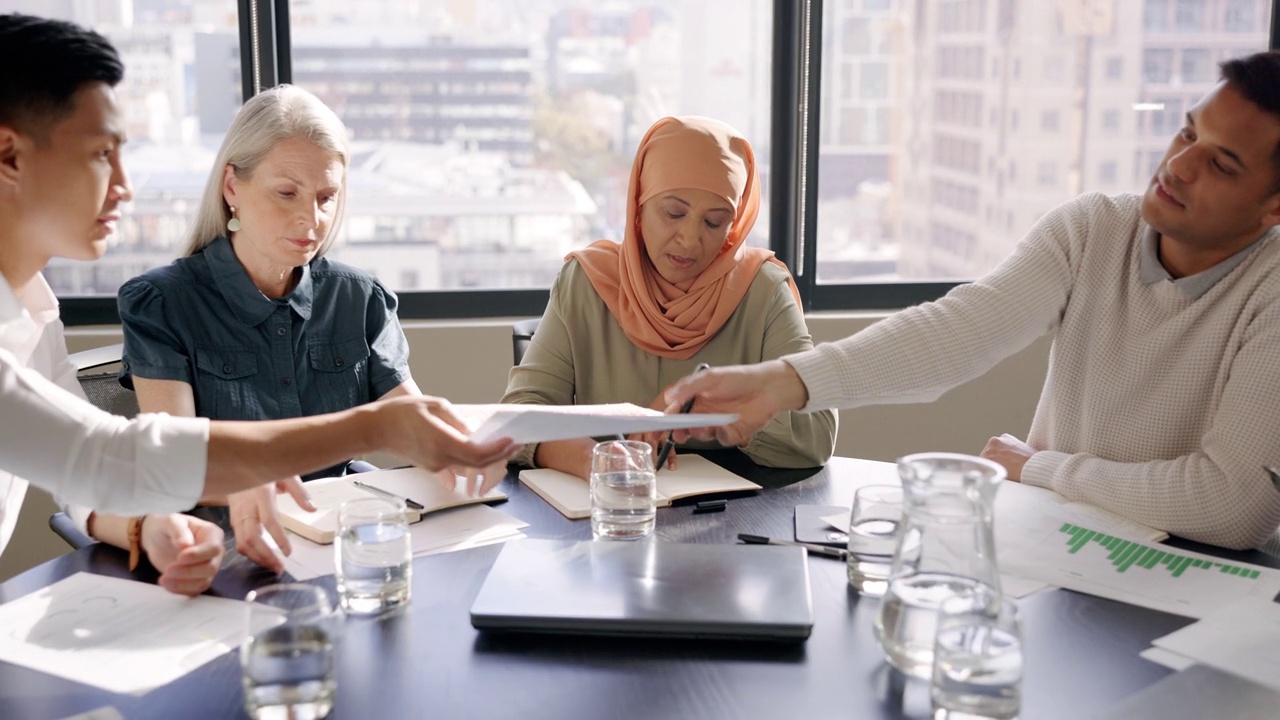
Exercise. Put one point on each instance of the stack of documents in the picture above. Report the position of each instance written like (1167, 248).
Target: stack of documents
(458, 529)
(1242, 638)
(119, 635)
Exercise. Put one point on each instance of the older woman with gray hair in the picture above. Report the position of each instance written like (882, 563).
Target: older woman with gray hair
(253, 322)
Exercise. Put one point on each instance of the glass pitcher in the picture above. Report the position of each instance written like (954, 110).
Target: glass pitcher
(946, 548)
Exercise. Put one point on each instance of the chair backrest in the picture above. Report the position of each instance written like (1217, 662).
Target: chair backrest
(103, 389)
(521, 335)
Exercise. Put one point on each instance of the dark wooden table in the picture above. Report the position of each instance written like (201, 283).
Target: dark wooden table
(1081, 652)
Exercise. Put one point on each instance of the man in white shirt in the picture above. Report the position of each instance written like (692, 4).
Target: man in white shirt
(61, 184)
(1162, 402)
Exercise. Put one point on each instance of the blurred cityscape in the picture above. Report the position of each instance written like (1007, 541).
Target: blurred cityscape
(491, 137)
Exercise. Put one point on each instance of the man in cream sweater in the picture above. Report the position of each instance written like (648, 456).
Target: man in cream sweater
(1162, 401)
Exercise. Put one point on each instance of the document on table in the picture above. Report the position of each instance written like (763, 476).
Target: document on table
(1090, 559)
(119, 635)
(1242, 638)
(544, 423)
(446, 531)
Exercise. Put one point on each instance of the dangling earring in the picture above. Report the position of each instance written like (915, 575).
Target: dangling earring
(233, 225)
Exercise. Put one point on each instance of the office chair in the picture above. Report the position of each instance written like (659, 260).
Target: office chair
(104, 390)
(521, 335)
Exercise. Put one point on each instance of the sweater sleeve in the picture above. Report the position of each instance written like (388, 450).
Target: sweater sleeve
(546, 375)
(793, 439)
(1219, 493)
(920, 353)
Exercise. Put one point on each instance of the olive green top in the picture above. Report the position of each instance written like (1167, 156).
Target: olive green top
(580, 355)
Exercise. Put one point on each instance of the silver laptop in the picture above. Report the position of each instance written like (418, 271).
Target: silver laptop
(648, 588)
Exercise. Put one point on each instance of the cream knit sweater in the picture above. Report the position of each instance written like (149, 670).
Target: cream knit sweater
(1157, 406)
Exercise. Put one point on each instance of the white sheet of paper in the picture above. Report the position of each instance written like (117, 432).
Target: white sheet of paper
(544, 423)
(1091, 560)
(1167, 658)
(1242, 638)
(118, 635)
(446, 531)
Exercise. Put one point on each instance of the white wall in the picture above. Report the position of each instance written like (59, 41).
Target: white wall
(467, 361)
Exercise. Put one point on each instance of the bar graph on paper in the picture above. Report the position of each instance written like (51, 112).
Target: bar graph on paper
(1088, 560)
(1125, 554)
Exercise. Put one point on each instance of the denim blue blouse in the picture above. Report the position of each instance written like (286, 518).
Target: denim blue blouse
(331, 344)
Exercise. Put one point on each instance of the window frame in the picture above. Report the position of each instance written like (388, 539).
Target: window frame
(265, 53)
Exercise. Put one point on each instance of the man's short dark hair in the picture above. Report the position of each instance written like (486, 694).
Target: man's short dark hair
(1257, 77)
(44, 63)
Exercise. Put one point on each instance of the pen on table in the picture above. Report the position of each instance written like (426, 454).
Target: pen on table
(407, 501)
(670, 444)
(823, 550)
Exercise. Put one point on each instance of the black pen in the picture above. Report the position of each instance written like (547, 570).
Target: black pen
(409, 503)
(813, 548)
(670, 444)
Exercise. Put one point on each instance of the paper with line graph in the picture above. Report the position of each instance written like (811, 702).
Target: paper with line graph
(1138, 572)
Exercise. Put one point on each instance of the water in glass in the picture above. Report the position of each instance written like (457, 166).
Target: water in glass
(978, 671)
(624, 490)
(623, 504)
(374, 566)
(873, 536)
(288, 673)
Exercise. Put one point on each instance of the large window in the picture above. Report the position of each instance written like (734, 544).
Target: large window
(944, 198)
(493, 136)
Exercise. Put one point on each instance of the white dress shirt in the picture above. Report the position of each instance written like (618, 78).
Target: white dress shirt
(51, 436)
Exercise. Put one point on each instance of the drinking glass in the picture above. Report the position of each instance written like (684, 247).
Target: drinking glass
(873, 536)
(373, 555)
(287, 661)
(624, 490)
(977, 660)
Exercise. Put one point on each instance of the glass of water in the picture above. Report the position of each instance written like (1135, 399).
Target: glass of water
(977, 660)
(873, 536)
(287, 661)
(373, 555)
(624, 490)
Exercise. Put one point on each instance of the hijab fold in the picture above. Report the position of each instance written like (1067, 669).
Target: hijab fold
(658, 317)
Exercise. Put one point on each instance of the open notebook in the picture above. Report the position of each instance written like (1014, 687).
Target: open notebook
(327, 494)
(694, 475)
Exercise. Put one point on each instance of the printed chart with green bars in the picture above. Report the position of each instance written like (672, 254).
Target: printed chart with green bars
(1125, 554)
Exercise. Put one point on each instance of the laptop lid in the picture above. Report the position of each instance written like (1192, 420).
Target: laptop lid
(648, 588)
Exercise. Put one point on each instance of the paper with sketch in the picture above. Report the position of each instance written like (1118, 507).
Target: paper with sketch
(119, 635)
(544, 423)
(446, 531)
(1242, 638)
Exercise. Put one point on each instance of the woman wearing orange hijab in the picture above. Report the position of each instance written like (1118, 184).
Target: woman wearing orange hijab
(626, 320)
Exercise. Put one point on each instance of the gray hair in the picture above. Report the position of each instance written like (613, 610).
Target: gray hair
(282, 113)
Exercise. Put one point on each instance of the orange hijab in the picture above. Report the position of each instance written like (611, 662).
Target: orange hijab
(682, 153)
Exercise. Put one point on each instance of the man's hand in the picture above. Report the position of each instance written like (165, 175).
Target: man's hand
(424, 430)
(186, 550)
(1010, 452)
(755, 392)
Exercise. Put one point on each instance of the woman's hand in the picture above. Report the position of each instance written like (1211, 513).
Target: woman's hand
(251, 511)
(186, 550)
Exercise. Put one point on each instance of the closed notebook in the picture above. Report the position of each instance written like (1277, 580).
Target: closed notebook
(694, 475)
(327, 494)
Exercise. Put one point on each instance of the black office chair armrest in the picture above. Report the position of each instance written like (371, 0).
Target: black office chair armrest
(62, 524)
